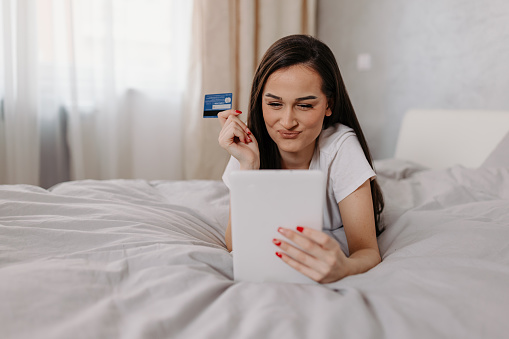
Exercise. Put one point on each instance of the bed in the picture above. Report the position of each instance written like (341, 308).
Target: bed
(146, 259)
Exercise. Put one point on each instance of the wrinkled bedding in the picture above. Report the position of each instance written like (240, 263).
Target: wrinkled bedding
(138, 259)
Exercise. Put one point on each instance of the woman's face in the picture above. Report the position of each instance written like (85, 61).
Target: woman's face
(294, 108)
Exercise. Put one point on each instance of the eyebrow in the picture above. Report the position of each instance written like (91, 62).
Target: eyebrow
(309, 97)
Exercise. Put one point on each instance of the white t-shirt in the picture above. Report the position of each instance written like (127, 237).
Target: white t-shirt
(340, 157)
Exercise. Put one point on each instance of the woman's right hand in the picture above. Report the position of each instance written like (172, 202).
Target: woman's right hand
(238, 140)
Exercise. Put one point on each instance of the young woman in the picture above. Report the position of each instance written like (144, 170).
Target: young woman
(300, 117)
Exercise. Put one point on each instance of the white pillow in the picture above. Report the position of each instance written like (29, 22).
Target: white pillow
(393, 168)
(499, 157)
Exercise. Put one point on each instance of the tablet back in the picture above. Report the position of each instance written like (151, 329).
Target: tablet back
(262, 201)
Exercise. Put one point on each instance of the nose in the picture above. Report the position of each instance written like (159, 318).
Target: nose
(288, 120)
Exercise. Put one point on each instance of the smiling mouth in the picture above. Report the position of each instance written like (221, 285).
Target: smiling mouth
(288, 134)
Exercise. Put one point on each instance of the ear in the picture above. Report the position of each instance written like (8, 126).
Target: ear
(328, 111)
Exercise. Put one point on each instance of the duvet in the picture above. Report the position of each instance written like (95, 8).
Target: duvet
(139, 259)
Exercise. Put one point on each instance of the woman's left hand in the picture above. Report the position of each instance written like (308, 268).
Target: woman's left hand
(322, 259)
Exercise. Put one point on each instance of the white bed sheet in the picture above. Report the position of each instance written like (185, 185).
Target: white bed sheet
(137, 259)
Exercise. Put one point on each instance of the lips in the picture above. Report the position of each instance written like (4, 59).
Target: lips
(288, 134)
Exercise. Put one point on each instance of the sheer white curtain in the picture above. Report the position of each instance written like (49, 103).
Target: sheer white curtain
(92, 89)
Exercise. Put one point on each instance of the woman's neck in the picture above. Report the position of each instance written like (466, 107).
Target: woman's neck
(300, 160)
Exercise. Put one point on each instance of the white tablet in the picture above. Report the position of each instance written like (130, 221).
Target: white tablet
(262, 201)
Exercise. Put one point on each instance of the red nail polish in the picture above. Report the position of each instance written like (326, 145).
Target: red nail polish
(300, 228)
(248, 131)
(276, 242)
(279, 254)
(237, 111)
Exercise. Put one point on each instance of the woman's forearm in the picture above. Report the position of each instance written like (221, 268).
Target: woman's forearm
(228, 237)
(228, 234)
(363, 260)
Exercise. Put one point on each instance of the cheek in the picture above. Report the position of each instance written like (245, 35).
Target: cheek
(269, 118)
(314, 121)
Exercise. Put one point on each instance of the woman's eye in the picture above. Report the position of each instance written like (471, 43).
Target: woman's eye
(275, 104)
(305, 106)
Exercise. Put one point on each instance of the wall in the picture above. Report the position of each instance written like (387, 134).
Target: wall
(427, 54)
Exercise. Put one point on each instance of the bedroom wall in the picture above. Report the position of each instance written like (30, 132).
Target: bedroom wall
(424, 54)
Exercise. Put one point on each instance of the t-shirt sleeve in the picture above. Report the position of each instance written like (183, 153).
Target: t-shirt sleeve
(350, 168)
(233, 165)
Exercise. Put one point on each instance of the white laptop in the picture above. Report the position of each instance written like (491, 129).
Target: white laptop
(262, 201)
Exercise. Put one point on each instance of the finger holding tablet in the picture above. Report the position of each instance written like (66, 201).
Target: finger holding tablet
(317, 256)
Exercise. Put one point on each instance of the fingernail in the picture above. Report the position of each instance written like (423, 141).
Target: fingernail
(280, 230)
(237, 111)
(300, 228)
(276, 242)
(249, 139)
(279, 254)
(248, 131)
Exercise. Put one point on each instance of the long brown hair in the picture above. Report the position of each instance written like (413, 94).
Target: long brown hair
(303, 49)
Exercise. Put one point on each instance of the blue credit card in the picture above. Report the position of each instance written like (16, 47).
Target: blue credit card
(215, 103)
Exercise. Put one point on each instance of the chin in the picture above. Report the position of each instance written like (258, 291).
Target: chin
(290, 146)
